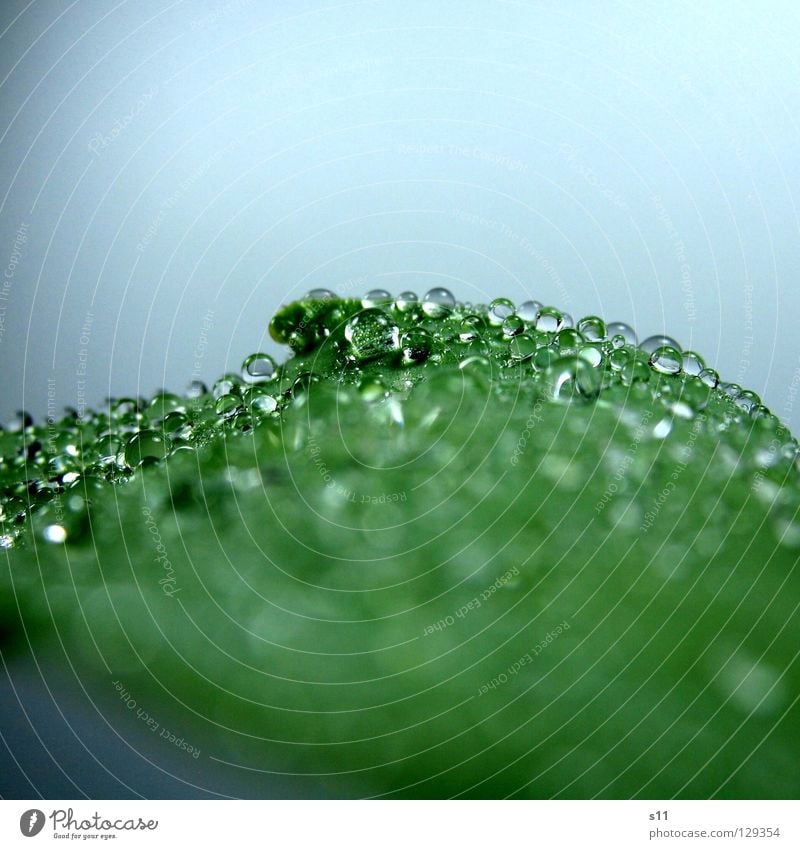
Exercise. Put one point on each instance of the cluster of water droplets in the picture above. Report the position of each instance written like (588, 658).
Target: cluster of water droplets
(378, 347)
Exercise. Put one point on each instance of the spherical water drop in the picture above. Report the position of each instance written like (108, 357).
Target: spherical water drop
(499, 310)
(693, 363)
(406, 301)
(196, 388)
(470, 328)
(529, 311)
(319, 295)
(376, 298)
(259, 368)
(709, 377)
(416, 345)
(619, 328)
(653, 343)
(146, 446)
(513, 326)
(371, 333)
(522, 347)
(438, 302)
(666, 360)
(592, 328)
(569, 376)
(550, 320)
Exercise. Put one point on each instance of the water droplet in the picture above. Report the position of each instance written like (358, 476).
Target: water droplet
(376, 298)
(499, 310)
(693, 363)
(513, 326)
(592, 328)
(196, 388)
(259, 368)
(569, 376)
(709, 377)
(144, 447)
(263, 404)
(471, 328)
(227, 404)
(666, 360)
(550, 320)
(319, 295)
(416, 345)
(592, 353)
(371, 333)
(653, 343)
(529, 311)
(619, 328)
(522, 347)
(406, 301)
(438, 302)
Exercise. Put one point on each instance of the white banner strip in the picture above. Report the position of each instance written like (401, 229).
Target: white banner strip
(403, 825)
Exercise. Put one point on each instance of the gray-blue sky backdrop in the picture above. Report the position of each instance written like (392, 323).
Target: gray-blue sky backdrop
(171, 172)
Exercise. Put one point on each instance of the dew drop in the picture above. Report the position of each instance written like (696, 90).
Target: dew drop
(709, 377)
(144, 447)
(550, 320)
(438, 302)
(376, 298)
(653, 343)
(666, 360)
(470, 328)
(406, 301)
(529, 311)
(416, 345)
(522, 347)
(319, 295)
(566, 377)
(371, 333)
(499, 310)
(619, 328)
(592, 328)
(259, 368)
(513, 326)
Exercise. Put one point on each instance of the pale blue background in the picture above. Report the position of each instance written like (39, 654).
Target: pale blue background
(637, 160)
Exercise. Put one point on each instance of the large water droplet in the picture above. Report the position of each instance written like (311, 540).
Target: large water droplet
(438, 302)
(145, 447)
(529, 311)
(499, 310)
(376, 298)
(666, 360)
(568, 377)
(259, 368)
(619, 328)
(592, 328)
(550, 320)
(653, 343)
(371, 333)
